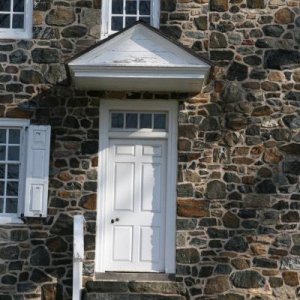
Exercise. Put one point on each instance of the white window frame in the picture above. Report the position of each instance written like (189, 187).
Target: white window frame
(23, 125)
(106, 17)
(170, 135)
(26, 32)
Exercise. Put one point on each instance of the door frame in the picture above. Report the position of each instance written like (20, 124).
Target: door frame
(169, 106)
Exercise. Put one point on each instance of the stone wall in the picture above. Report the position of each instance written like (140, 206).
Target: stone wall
(238, 170)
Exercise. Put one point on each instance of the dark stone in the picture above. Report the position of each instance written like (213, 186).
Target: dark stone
(236, 243)
(205, 271)
(75, 31)
(90, 186)
(218, 40)
(237, 71)
(236, 121)
(215, 233)
(45, 33)
(31, 77)
(219, 5)
(187, 256)
(9, 252)
(281, 59)
(231, 177)
(26, 287)
(9, 279)
(247, 279)
(292, 95)
(292, 121)
(38, 276)
(56, 244)
(223, 269)
(197, 46)
(254, 4)
(258, 74)
(185, 190)
(63, 225)
(52, 291)
(290, 217)
(209, 124)
(17, 57)
(293, 149)
(45, 55)
(19, 235)
(89, 147)
(40, 256)
(58, 202)
(275, 282)
(230, 297)
(273, 30)
(264, 263)
(172, 31)
(168, 5)
(221, 55)
(215, 190)
(233, 93)
(292, 167)
(230, 220)
(14, 87)
(281, 134)
(252, 60)
(266, 187)
(201, 22)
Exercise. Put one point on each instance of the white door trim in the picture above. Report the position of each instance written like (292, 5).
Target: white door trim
(170, 107)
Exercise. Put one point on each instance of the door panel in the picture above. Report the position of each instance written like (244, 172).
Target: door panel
(135, 206)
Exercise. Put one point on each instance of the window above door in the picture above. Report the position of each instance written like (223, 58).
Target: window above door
(15, 19)
(119, 14)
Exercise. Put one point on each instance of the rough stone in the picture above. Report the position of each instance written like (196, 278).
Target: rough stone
(215, 190)
(40, 256)
(237, 244)
(219, 5)
(247, 279)
(63, 225)
(187, 256)
(216, 285)
(193, 208)
(284, 16)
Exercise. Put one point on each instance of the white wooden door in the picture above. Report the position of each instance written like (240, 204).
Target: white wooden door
(135, 206)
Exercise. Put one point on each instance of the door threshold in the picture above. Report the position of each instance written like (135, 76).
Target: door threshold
(123, 276)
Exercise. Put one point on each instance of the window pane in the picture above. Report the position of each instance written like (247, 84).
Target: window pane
(1, 205)
(117, 7)
(4, 21)
(14, 136)
(5, 5)
(13, 153)
(1, 188)
(2, 152)
(19, 5)
(12, 171)
(131, 7)
(130, 21)
(145, 7)
(116, 23)
(117, 120)
(145, 19)
(145, 120)
(131, 120)
(2, 136)
(159, 121)
(18, 21)
(2, 171)
(12, 188)
(12, 205)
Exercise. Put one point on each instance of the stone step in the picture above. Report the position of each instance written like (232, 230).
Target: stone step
(130, 296)
(159, 287)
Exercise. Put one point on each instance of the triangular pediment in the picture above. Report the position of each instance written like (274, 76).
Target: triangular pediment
(138, 52)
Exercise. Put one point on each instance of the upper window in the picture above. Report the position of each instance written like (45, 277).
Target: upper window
(119, 14)
(15, 19)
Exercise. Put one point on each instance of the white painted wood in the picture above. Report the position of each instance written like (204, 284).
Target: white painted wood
(139, 59)
(171, 139)
(26, 32)
(37, 171)
(106, 17)
(78, 255)
(136, 200)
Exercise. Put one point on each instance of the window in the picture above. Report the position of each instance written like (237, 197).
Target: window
(24, 165)
(15, 19)
(119, 14)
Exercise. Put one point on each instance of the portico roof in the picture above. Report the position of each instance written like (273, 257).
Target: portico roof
(139, 58)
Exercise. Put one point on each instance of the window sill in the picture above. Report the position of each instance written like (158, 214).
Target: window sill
(5, 220)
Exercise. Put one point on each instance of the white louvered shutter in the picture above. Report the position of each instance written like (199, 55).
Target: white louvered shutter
(37, 171)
